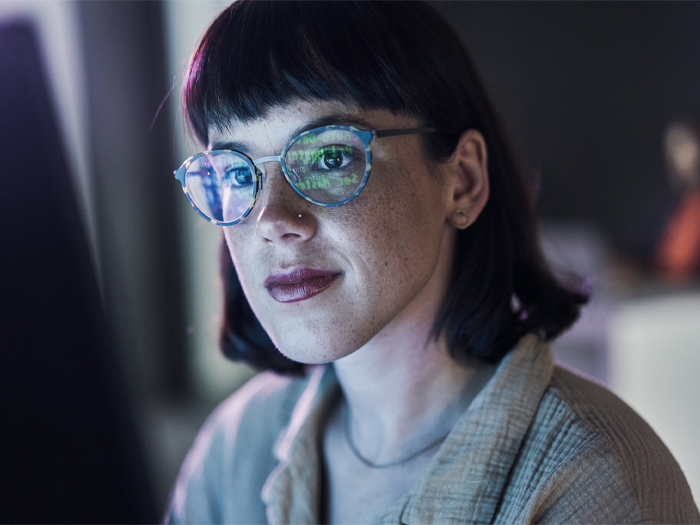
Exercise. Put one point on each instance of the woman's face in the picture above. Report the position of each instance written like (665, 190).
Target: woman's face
(324, 281)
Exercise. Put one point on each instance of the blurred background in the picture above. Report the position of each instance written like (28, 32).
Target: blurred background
(109, 286)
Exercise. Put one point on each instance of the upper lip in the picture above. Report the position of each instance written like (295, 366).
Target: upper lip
(296, 275)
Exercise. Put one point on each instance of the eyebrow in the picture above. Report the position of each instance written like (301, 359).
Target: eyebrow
(328, 120)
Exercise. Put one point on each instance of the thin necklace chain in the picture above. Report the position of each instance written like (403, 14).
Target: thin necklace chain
(368, 463)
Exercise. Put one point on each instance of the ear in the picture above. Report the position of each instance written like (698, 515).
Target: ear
(466, 174)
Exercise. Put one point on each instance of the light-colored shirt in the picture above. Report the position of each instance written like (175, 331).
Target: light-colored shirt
(537, 444)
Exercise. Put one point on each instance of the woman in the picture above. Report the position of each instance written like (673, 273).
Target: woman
(377, 221)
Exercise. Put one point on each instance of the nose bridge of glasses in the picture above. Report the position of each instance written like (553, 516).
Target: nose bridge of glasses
(271, 158)
(263, 160)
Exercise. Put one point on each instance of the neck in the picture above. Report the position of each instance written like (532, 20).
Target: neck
(402, 389)
(396, 410)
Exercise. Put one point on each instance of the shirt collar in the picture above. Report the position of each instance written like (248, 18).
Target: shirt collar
(464, 481)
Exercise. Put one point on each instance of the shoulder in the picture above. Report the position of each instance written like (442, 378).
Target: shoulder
(592, 458)
(238, 437)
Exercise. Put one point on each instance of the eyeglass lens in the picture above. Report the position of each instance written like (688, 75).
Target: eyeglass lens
(327, 167)
(221, 185)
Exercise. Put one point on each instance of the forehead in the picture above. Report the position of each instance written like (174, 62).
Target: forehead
(270, 134)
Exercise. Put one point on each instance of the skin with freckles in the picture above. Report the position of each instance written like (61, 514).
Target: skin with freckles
(392, 248)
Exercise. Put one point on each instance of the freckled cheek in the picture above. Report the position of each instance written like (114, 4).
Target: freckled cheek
(389, 236)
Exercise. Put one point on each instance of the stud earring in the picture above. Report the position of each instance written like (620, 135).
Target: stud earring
(299, 215)
(460, 219)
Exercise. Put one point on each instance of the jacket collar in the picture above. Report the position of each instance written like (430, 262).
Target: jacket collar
(292, 492)
(468, 475)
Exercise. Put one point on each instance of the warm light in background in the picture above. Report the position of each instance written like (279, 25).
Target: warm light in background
(682, 145)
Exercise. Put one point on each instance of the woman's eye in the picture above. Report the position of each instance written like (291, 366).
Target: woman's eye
(241, 176)
(334, 158)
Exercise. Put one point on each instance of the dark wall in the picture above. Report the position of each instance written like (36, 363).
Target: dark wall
(587, 90)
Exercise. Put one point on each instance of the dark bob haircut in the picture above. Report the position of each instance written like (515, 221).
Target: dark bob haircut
(405, 58)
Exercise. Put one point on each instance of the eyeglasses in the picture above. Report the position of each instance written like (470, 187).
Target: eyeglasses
(328, 166)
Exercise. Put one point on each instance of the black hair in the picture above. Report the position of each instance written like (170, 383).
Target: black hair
(405, 58)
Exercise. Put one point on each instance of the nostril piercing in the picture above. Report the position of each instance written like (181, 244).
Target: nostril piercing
(299, 216)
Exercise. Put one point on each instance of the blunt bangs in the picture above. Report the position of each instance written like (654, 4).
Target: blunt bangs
(260, 54)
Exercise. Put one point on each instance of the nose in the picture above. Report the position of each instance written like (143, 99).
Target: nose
(285, 216)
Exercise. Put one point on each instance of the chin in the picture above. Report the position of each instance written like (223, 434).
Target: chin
(314, 348)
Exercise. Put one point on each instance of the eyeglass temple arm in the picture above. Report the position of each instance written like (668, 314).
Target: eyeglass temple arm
(395, 132)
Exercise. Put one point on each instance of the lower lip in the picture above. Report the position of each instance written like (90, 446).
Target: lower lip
(292, 292)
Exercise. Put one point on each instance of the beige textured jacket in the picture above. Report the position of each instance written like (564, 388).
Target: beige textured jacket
(537, 444)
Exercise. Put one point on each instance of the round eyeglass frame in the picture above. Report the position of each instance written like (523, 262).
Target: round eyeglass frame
(365, 136)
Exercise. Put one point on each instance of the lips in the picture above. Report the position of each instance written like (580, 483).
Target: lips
(299, 284)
